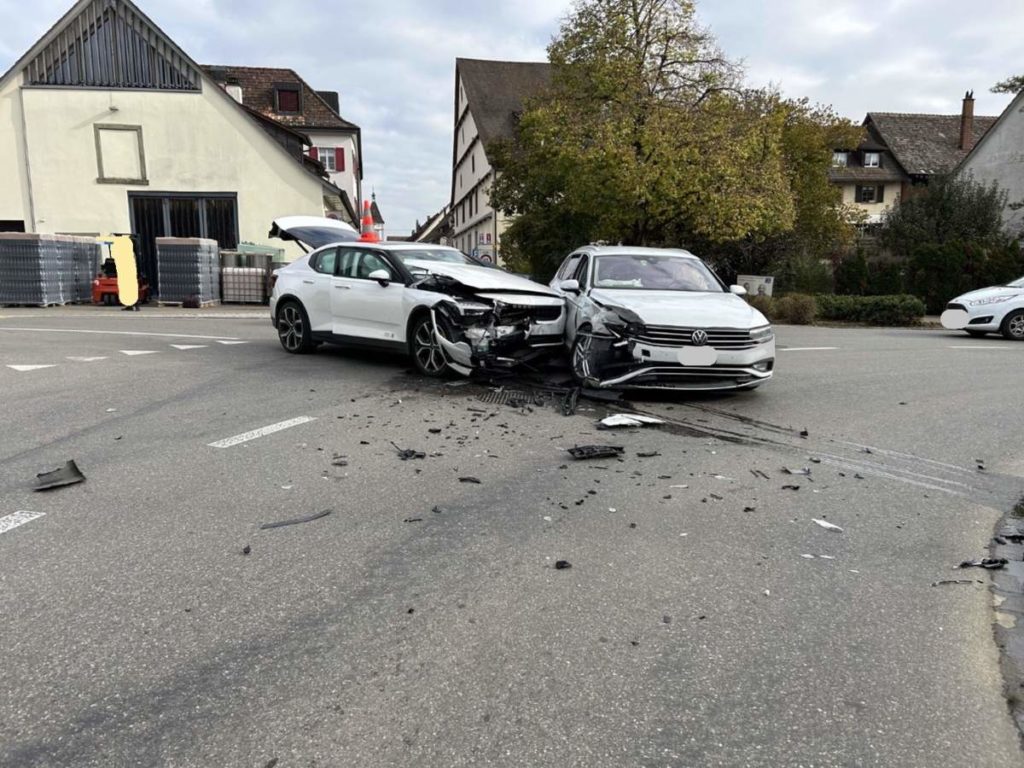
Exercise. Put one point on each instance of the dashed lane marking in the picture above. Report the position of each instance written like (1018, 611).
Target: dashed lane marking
(86, 359)
(230, 342)
(26, 368)
(806, 349)
(133, 352)
(975, 346)
(10, 522)
(261, 432)
(120, 333)
(189, 346)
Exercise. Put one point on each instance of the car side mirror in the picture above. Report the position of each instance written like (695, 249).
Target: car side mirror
(739, 290)
(382, 276)
(570, 286)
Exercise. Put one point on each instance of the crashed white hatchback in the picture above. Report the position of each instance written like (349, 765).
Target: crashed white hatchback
(448, 311)
(998, 309)
(654, 318)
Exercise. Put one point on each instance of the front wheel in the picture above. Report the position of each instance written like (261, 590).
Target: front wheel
(1013, 325)
(425, 350)
(579, 356)
(293, 329)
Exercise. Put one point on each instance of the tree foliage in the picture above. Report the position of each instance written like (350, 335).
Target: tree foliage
(645, 136)
(1012, 85)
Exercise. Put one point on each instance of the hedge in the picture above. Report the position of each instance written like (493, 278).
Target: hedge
(872, 310)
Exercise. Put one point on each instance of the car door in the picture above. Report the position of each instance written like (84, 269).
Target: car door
(316, 289)
(362, 307)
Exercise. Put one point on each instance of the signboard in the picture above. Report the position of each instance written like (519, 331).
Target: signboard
(756, 285)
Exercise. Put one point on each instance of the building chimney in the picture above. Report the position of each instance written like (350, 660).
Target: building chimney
(967, 123)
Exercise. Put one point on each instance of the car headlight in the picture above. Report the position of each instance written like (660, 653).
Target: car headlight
(762, 334)
(990, 300)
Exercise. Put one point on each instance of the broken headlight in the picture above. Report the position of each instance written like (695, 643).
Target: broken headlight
(762, 334)
(619, 322)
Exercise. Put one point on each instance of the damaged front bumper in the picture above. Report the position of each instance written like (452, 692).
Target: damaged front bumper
(618, 361)
(496, 334)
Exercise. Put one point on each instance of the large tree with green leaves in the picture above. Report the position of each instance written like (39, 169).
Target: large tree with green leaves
(1012, 85)
(646, 136)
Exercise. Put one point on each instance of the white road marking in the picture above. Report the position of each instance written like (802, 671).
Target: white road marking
(231, 342)
(189, 346)
(86, 359)
(10, 522)
(24, 368)
(261, 432)
(133, 352)
(975, 346)
(117, 333)
(806, 349)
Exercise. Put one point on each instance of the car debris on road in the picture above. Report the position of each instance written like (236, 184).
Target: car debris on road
(296, 521)
(69, 474)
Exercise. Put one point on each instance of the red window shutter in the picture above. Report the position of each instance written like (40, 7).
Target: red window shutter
(339, 158)
(313, 153)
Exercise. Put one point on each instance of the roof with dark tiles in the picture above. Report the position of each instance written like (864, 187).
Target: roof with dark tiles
(496, 90)
(925, 144)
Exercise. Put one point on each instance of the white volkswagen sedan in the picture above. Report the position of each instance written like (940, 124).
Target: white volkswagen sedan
(653, 318)
(446, 310)
(999, 308)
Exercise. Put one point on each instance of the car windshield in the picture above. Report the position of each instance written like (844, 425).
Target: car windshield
(1016, 283)
(448, 255)
(654, 273)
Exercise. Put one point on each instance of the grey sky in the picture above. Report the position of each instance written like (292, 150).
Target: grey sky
(393, 62)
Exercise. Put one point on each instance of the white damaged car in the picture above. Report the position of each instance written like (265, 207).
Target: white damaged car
(999, 308)
(653, 318)
(448, 311)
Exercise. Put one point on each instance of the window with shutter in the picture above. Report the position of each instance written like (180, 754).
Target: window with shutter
(339, 159)
(287, 99)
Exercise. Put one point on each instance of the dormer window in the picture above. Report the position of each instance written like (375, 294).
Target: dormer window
(840, 159)
(872, 160)
(287, 99)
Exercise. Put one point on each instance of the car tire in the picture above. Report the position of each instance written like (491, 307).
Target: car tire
(976, 334)
(293, 329)
(1013, 325)
(580, 344)
(426, 353)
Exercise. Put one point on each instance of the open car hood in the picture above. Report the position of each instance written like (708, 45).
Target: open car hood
(313, 231)
(482, 278)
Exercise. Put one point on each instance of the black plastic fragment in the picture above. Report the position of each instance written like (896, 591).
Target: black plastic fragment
(581, 452)
(405, 454)
(435, 431)
(413, 520)
(69, 474)
(791, 487)
(474, 480)
(988, 563)
(647, 454)
(954, 581)
(561, 565)
(246, 549)
(296, 521)
(804, 433)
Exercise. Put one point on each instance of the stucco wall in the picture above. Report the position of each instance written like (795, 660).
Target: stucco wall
(193, 142)
(13, 179)
(1000, 158)
(890, 197)
(346, 180)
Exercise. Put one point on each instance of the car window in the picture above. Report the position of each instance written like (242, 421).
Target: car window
(348, 259)
(325, 261)
(368, 262)
(569, 266)
(580, 275)
(654, 272)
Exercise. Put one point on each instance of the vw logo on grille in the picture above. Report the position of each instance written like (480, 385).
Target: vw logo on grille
(699, 338)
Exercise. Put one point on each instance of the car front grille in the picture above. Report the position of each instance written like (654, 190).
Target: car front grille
(719, 338)
(956, 306)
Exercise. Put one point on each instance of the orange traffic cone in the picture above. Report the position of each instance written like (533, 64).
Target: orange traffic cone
(368, 233)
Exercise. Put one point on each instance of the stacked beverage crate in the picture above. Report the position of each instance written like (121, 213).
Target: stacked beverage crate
(41, 270)
(188, 268)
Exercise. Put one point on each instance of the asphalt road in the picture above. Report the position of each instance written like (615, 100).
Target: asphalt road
(423, 621)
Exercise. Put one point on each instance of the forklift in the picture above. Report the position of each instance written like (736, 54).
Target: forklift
(120, 256)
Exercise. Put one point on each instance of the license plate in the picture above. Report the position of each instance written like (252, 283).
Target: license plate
(698, 356)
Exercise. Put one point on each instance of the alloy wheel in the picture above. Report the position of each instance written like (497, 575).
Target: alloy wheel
(581, 356)
(1016, 326)
(427, 350)
(290, 328)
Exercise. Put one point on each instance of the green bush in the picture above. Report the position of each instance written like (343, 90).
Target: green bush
(873, 310)
(763, 304)
(795, 309)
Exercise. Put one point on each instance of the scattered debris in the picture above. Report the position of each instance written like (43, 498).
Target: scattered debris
(988, 563)
(69, 474)
(804, 433)
(474, 480)
(570, 402)
(437, 510)
(413, 520)
(296, 521)
(716, 497)
(666, 619)
(647, 454)
(791, 487)
(866, 450)
(561, 565)
(750, 509)
(111, 410)
(943, 582)
(679, 486)
(246, 549)
(827, 525)
(759, 473)
(632, 525)
(767, 593)
(805, 472)
(405, 454)
(339, 460)
(596, 451)
(814, 460)
(627, 420)
(434, 431)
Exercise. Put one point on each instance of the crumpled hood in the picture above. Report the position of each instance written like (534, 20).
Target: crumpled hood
(482, 278)
(989, 293)
(684, 309)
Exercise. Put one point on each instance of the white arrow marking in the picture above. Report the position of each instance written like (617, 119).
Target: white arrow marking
(132, 352)
(9, 522)
(189, 346)
(86, 359)
(24, 368)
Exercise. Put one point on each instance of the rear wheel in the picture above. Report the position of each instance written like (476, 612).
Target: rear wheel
(426, 352)
(293, 329)
(1013, 325)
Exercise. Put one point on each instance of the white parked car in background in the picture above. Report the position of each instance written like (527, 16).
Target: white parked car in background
(655, 318)
(998, 308)
(448, 311)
